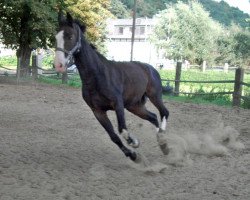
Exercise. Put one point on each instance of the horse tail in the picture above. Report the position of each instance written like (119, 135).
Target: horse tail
(154, 93)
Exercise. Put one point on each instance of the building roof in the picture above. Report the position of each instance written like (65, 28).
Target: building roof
(129, 22)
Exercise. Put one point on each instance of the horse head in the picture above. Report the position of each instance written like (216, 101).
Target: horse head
(68, 41)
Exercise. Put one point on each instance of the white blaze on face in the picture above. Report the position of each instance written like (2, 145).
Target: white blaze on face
(60, 59)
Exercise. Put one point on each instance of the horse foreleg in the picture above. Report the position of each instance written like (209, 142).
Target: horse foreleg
(102, 117)
(131, 140)
(142, 112)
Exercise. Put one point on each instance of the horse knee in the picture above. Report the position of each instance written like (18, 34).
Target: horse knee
(166, 113)
(153, 119)
(128, 153)
(114, 138)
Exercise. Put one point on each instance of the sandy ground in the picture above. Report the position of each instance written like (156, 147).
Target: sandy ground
(51, 148)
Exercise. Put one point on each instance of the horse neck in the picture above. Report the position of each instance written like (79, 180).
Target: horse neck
(88, 63)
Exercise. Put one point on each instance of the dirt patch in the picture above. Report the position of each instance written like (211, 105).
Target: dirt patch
(51, 147)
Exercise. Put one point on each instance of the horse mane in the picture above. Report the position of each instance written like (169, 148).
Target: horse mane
(83, 29)
(97, 52)
(82, 26)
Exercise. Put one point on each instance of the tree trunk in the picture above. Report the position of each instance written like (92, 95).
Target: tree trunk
(65, 78)
(23, 56)
(24, 51)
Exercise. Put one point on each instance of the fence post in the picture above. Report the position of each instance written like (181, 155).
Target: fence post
(225, 69)
(239, 76)
(34, 67)
(177, 78)
(18, 70)
(65, 77)
(39, 63)
(204, 66)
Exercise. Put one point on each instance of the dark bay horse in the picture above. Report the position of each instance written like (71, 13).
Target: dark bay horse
(109, 85)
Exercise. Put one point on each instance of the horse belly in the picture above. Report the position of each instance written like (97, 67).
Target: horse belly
(134, 94)
(96, 101)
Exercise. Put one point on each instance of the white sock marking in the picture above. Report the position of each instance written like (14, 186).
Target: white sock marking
(125, 134)
(164, 123)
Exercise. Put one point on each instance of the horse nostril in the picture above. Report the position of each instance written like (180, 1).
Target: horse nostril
(60, 65)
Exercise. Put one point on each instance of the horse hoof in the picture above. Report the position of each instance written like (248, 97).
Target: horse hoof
(138, 158)
(164, 148)
(162, 141)
(134, 142)
(133, 156)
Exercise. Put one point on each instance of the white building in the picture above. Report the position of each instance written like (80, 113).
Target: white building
(5, 51)
(119, 40)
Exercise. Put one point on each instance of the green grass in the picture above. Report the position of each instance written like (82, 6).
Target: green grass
(193, 75)
(73, 81)
(200, 76)
(11, 62)
(206, 87)
(8, 61)
(54, 80)
(222, 100)
(198, 100)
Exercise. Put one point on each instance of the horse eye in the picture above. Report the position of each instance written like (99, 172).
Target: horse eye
(68, 36)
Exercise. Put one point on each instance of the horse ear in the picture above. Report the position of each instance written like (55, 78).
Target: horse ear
(61, 17)
(69, 19)
(83, 27)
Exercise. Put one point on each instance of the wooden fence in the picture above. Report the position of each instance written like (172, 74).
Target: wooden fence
(238, 84)
(237, 92)
(34, 71)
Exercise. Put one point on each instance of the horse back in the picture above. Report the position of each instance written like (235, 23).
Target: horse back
(137, 79)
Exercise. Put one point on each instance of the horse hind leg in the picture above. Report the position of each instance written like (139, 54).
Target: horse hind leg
(164, 113)
(143, 113)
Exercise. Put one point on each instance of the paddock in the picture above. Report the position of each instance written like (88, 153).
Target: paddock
(53, 148)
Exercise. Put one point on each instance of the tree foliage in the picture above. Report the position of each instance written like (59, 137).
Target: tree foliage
(219, 11)
(28, 24)
(234, 47)
(27, 21)
(119, 10)
(185, 31)
(226, 15)
(93, 13)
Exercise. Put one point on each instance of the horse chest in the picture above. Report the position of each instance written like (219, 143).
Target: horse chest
(96, 100)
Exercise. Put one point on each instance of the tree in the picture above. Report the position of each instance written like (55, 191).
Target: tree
(119, 10)
(224, 14)
(234, 47)
(94, 14)
(29, 24)
(26, 25)
(185, 31)
(220, 11)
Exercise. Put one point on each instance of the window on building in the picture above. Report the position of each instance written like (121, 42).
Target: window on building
(142, 30)
(120, 30)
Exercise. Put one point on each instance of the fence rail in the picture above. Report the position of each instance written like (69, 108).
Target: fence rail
(186, 81)
(237, 92)
(210, 93)
(245, 84)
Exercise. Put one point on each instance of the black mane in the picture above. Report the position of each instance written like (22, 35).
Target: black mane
(97, 52)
